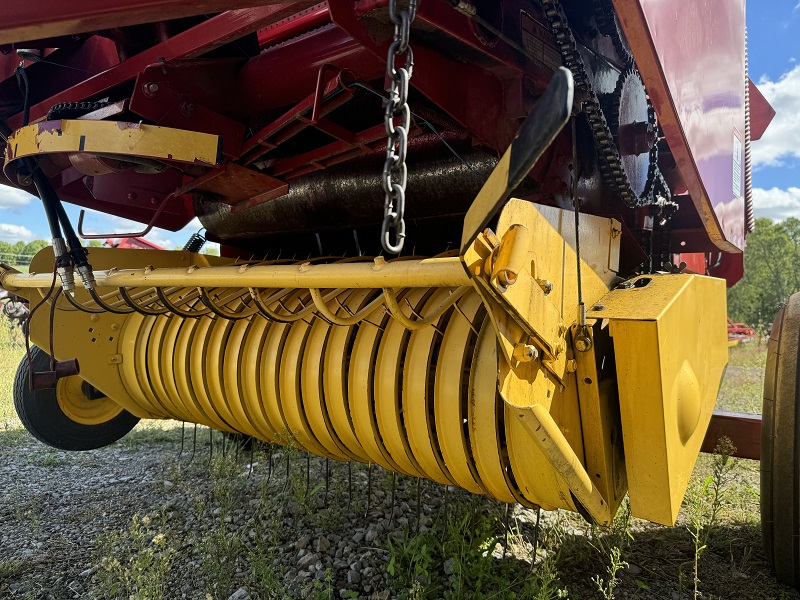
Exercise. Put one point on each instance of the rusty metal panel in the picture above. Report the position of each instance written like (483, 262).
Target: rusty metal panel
(743, 429)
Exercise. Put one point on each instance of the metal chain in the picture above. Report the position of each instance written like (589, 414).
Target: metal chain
(610, 160)
(395, 172)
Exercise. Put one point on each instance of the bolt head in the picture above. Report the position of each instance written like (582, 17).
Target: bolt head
(583, 343)
(525, 352)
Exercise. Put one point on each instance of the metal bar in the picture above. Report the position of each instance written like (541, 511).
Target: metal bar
(206, 36)
(743, 429)
(430, 272)
(23, 21)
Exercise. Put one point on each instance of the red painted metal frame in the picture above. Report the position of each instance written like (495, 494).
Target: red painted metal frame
(24, 21)
(743, 429)
(692, 63)
(305, 20)
(194, 42)
(469, 94)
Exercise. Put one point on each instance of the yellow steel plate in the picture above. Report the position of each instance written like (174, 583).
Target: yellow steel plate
(670, 344)
(234, 352)
(450, 395)
(198, 349)
(114, 137)
(181, 366)
(484, 422)
(335, 377)
(311, 382)
(290, 392)
(388, 399)
(361, 378)
(129, 337)
(155, 349)
(169, 377)
(214, 351)
(418, 394)
(141, 353)
(250, 381)
(270, 375)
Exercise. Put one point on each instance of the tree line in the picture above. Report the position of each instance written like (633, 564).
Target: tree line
(771, 273)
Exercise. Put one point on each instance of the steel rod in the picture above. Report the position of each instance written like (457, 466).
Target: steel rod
(430, 272)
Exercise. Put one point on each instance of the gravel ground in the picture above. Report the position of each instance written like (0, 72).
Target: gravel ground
(75, 525)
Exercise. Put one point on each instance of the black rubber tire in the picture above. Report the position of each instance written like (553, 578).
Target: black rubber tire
(42, 416)
(780, 446)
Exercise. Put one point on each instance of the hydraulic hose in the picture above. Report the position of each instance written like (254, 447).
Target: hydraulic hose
(67, 253)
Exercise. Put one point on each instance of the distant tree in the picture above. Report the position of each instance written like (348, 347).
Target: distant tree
(94, 244)
(772, 272)
(211, 251)
(33, 247)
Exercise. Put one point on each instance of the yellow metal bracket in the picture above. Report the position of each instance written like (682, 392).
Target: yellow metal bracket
(113, 138)
(670, 346)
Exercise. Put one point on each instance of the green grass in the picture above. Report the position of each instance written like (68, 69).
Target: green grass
(742, 387)
(12, 350)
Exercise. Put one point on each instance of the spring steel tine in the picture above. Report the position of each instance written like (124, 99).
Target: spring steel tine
(349, 484)
(308, 473)
(369, 487)
(446, 505)
(286, 481)
(391, 517)
(269, 472)
(536, 537)
(183, 431)
(237, 446)
(505, 528)
(252, 452)
(446, 509)
(419, 506)
(210, 445)
(194, 443)
(224, 444)
(327, 478)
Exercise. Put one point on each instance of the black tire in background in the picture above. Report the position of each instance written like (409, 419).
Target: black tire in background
(780, 447)
(43, 416)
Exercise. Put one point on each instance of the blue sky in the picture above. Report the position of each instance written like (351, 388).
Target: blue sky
(774, 34)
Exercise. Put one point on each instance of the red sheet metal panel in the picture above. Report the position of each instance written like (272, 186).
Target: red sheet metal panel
(23, 21)
(206, 36)
(691, 54)
(761, 112)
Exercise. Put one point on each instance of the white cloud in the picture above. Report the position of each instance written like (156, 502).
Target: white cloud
(15, 233)
(780, 140)
(777, 204)
(13, 197)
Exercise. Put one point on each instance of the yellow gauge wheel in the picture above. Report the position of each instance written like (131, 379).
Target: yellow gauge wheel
(66, 417)
(71, 397)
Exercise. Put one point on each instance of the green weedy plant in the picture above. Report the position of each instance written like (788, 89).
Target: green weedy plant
(324, 591)
(706, 502)
(410, 561)
(143, 574)
(615, 564)
(220, 548)
(261, 555)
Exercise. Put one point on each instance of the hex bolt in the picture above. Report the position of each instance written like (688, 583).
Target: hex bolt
(150, 89)
(525, 352)
(546, 286)
(582, 344)
(572, 365)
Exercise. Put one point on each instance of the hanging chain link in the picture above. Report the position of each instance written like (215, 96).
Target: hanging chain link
(395, 172)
